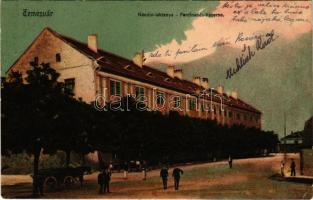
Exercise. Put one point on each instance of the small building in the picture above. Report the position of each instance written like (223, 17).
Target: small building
(292, 142)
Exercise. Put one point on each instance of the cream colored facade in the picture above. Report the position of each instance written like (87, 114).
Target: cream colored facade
(73, 63)
(91, 82)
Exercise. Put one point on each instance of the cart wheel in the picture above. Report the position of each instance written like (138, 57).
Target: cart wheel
(50, 183)
(69, 181)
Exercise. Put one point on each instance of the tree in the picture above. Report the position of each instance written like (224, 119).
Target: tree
(35, 113)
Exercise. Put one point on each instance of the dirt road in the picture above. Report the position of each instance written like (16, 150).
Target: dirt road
(249, 178)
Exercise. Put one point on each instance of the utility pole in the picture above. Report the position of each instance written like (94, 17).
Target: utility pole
(285, 146)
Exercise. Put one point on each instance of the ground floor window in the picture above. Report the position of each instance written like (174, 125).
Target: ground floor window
(192, 104)
(115, 88)
(160, 98)
(140, 93)
(69, 86)
(177, 101)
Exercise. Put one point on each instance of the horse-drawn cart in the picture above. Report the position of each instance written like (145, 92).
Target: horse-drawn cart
(55, 177)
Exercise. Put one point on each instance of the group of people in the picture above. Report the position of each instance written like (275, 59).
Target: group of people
(104, 179)
(292, 168)
(177, 172)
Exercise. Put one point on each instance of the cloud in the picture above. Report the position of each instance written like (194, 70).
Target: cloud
(291, 19)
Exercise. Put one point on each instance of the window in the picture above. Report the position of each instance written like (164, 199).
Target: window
(58, 57)
(192, 104)
(140, 93)
(238, 116)
(36, 60)
(176, 102)
(225, 113)
(207, 107)
(115, 88)
(69, 86)
(230, 114)
(245, 117)
(160, 98)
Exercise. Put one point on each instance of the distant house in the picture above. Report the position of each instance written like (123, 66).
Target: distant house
(292, 142)
(293, 139)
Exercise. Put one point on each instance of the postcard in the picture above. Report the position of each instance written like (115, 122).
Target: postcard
(156, 99)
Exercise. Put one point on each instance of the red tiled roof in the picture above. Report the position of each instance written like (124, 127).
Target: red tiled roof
(115, 64)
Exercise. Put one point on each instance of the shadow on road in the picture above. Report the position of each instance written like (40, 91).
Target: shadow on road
(294, 179)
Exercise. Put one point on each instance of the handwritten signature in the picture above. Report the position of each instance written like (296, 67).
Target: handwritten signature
(261, 42)
(179, 52)
(241, 37)
(221, 42)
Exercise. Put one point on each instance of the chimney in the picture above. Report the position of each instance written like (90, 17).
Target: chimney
(205, 83)
(178, 73)
(220, 89)
(138, 59)
(93, 42)
(197, 80)
(170, 71)
(234, 94)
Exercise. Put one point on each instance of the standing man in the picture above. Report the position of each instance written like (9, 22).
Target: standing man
(230, 162)
(107, 179)
(164, 175)
(144, 170)
(292, 168)
(101, 182)
(125, 170)
(282, 168)
(176, 174)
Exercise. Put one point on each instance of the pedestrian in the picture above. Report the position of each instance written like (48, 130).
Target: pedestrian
(282, 168)
(230, 162)
(107, 179)
(144, 170)
(164, 175)
(125, 170)
(101, 182)
(292, 168)
(176, 174)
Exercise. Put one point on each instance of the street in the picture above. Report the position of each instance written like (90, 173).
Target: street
(249, 178)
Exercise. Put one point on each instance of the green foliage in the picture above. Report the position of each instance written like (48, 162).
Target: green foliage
(172, 138)
(16, 163)
(22, 163)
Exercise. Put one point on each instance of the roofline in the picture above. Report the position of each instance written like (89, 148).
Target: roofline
(28, 47)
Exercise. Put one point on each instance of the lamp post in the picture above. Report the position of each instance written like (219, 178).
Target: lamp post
(285, 147)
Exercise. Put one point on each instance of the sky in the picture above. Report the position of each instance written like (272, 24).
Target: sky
(277, 80)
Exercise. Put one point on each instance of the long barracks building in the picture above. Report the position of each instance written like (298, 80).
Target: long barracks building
(89, 72)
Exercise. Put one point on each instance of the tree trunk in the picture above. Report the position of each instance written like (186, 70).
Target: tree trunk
(35, 173)
(83, 161)
(68, 158)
